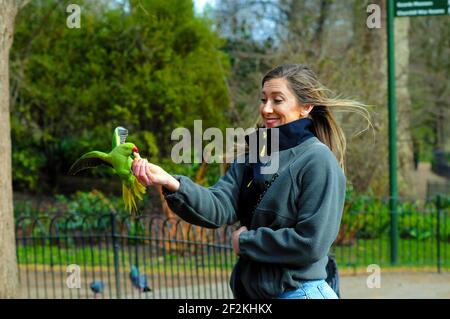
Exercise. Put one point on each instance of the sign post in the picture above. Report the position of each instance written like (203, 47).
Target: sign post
(392, 110)
(401, 8)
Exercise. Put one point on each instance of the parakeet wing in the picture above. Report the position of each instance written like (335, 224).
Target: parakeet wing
(90, 160)
(119, 136)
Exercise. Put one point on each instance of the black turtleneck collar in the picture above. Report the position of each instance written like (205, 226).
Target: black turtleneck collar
(290, 134)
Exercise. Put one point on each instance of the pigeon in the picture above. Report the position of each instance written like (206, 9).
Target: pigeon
(139, 281)
(97, 287)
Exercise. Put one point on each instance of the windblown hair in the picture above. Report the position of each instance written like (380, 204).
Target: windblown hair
(303, 82)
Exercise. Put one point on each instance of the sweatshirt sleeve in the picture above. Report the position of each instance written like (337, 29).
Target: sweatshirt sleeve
(207, 207)
(319, 211)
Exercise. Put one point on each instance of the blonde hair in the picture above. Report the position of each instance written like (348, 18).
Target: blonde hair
(304, 84)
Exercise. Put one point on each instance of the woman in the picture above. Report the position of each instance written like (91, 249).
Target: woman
(289, 219)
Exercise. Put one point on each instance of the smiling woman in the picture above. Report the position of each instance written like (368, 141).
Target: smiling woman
(292, 91)
(279, 104)
(289, 218)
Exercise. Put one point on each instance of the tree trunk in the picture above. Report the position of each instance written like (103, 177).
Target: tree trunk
(404, 140)
(8, 264)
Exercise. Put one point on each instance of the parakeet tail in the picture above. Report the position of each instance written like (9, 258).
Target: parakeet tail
(132, 194)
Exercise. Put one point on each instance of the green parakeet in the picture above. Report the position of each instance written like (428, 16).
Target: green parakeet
(120, 159)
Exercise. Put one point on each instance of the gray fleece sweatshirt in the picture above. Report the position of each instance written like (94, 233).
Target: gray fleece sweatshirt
(292, 227)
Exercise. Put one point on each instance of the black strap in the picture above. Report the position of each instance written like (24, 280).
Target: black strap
(333, 275)
(251, 194)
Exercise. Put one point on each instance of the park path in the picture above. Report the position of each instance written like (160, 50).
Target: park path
(398, 286)
(420, 285)
(422, 176)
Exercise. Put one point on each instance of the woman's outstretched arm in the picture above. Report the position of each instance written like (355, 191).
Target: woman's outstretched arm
(208, 207)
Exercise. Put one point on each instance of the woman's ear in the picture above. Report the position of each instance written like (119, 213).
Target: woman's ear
(306, 109)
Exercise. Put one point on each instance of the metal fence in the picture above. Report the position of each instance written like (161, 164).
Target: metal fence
(112, 256)
(177, 260)
(424, 236)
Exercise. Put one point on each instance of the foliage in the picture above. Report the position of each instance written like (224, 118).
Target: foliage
(150, 68)
(90, 203)
(430, 66)
(364, 217)
(367, 217)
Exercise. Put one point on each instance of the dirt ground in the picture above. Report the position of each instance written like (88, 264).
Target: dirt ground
(421, 177)
(398, 286)
(420, 285)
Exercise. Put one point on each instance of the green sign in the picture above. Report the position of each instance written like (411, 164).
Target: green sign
(408, 8)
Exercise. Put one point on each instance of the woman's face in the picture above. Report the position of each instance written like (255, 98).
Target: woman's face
(279, 105)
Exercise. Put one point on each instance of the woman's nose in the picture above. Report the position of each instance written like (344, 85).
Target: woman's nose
(267, 108)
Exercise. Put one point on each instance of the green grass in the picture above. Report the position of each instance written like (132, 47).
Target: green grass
(104, 257)
(411, 252)
(363, 253)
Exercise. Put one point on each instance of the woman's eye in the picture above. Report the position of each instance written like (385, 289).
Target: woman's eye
(278, 101)
(263, 100)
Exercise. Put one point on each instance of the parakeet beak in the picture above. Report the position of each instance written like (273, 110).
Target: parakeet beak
(135, 152)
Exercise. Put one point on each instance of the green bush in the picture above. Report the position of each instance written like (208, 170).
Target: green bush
(27, 164)
(367, 217)
(150, 69)
(79, 212)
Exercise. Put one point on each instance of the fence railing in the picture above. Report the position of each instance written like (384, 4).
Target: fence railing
(424, 237)
(178, 260)
(112, 256)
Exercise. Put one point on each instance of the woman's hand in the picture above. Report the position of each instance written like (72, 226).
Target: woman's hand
(151, 174)
(235, 238)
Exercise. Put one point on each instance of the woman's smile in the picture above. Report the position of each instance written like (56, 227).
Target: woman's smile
(271, 121)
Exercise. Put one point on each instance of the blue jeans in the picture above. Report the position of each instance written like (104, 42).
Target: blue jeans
(310, 289)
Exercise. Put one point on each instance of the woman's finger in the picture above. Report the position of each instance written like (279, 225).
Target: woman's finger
(141, 173)
(141, 169)
(144, 181)
(137, 167)
(134, 166)
(145, 171)
(150, 175)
